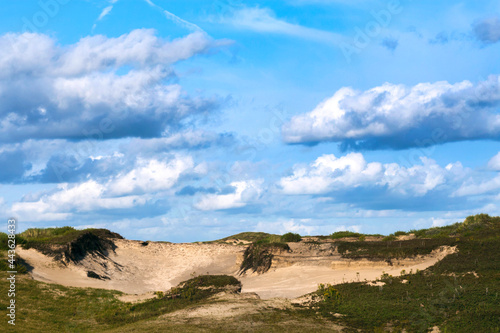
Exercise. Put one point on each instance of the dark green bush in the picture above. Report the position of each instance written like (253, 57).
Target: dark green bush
(291, 237)
(342, 234)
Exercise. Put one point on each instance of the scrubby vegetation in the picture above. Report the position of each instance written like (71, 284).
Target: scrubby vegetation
(187, 293)
(291, 237)
(387, 249)
(458, 294)
(329, 294)
(203, 286)
(258, 257)
(343, 234)
(253, 237)
(68, 243)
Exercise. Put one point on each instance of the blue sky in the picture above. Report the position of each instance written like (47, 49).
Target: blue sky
(194, 120)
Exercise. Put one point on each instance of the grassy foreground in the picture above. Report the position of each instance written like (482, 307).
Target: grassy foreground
(459, 294)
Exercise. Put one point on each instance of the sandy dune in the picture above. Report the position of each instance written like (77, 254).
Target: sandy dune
(135, 268)
(296, 280)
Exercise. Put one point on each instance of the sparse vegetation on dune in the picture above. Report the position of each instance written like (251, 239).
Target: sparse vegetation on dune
(458, 294)
(258, 257)
(291, 237)
(67, 243)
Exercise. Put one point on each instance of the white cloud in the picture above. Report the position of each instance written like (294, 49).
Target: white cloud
(494, 163)
(104, 12)
(263, 20)
(396, 116)
(174, 18)
(473, 187)
(122, 191)
(51, 91)
(66, 200)
(151, 176)
(244, 192)
(329, 173)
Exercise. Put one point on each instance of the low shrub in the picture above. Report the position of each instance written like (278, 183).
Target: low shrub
(329, 294)
(342, 234)
(291, 237)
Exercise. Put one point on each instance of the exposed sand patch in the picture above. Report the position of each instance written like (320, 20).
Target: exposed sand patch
(376, 283)
(229, 305)
(129, 298)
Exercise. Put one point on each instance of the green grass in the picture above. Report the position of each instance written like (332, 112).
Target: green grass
(57, 308)
(447, 294)
(187, 293)
(252, 237)
(291, 237)
(386, 250)
(342, 234)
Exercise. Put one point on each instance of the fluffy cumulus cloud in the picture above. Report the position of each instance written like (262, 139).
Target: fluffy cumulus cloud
(138, 187)
(397, 117)
(329, 174)
(97, 88)
(488, 30)
(244, 192)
